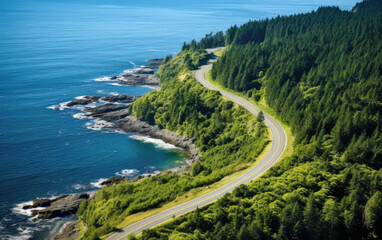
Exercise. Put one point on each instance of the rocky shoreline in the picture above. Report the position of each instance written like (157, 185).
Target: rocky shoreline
(70, 231)
(142, 76)
(131, 124)
(57, 207)
(114, 111)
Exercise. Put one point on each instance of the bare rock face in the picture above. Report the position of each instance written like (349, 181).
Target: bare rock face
(120, 99)
(138, 79)
(145, 71)
(114, 180)
(154, 63)
(99, 111)
(39, 203)
(141, 77)
(57, 207)
(83, 101)
(115, 115)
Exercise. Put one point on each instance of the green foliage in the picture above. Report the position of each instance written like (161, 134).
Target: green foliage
(82, 207)
(305, 202)
(322, 73)
(226, 136)
(253, 31)
(260, 117)
(131, 237)
(183, 62)
(209, 41)
(373, 214)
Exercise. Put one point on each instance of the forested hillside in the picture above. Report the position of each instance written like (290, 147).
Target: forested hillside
(229, 139)
(321, 73)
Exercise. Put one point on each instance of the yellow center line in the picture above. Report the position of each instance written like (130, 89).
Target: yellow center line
(213, 195)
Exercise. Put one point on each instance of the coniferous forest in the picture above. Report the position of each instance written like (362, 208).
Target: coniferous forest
(228, 137)
(321, 73)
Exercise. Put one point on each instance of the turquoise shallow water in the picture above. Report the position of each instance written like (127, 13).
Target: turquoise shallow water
(51, 52)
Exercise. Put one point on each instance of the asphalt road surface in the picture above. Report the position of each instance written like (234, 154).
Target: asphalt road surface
(279, 141)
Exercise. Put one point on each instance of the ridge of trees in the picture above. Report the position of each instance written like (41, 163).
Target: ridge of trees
(322, 74)
(229, 139)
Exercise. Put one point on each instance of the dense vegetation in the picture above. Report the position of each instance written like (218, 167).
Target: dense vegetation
(228, 137)
(322, 74)
(209, 41)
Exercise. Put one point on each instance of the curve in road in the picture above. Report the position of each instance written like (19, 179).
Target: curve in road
(279, 141)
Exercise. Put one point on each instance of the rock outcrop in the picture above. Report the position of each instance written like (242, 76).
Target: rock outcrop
(99, 111)
(83, 101)
(114, 180)
(57, 207)
(142, 76)
(138, 79)
(131, 124)
(154, 63)
(120, 98)
(115, 115)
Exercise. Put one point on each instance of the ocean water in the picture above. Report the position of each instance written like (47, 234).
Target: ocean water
(51, 52)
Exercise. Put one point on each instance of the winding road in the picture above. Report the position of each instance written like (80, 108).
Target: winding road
(279, 141)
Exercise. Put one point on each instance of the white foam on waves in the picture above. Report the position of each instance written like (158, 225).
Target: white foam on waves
(60, 107)
(18, 209)
(80, 97)
(127, 172)
(133, 63)
(131, 71)
(78, 186)
(99, 125)
(151, 174)
(81, 116)
(23, 234)
(157, 142)
(104, 79)
(116, 84)
(118, 131)
(98, 182)
(64, 105)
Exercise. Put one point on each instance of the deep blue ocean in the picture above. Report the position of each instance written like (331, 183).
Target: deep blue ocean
(51, 52)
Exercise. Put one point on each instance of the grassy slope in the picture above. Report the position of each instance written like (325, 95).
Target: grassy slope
(202, 190)
(196, 192)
